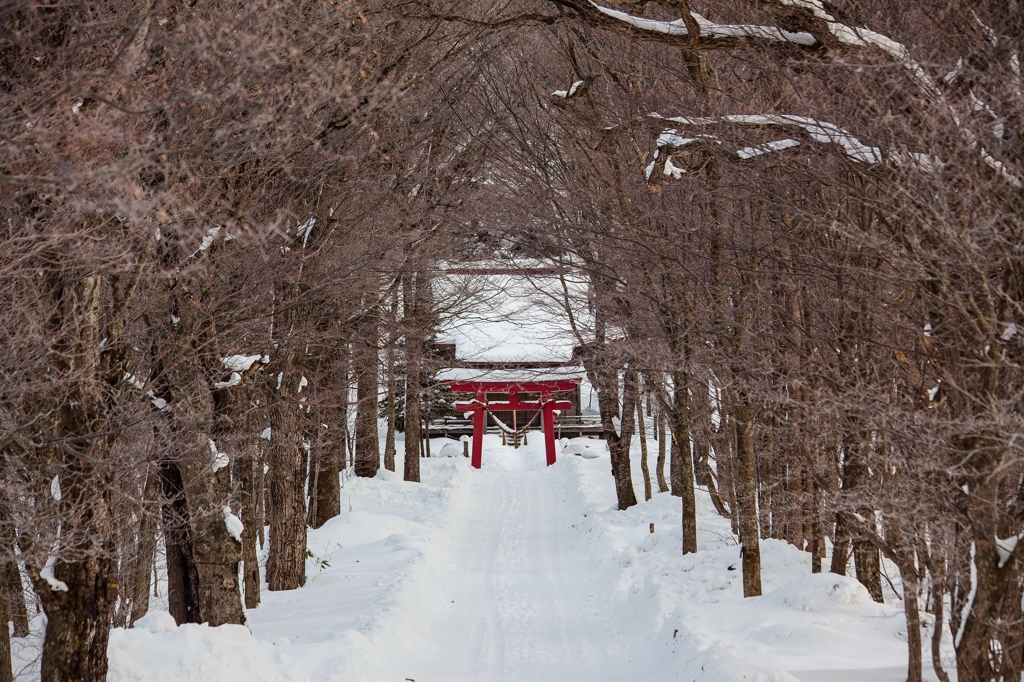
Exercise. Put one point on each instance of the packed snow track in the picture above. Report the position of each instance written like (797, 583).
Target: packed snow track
(519, 607)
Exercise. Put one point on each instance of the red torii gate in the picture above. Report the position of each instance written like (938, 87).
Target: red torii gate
(547, 406)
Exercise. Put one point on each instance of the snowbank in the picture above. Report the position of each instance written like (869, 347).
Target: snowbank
(381, 580)
(366, 568)
(687, 615)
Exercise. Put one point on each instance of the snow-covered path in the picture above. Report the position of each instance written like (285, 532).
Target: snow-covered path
(522, 572)
(519, 607)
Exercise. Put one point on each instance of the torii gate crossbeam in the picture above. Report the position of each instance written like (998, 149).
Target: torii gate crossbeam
(479, 405)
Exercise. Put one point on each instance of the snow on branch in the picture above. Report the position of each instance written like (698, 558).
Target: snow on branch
(218, 460)
(822, 30)
(240, 363)
(709, 30)
(817, 130)
(233, 525)
(565, 94)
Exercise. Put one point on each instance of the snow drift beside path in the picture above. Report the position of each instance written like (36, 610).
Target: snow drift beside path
(363, 573)
(501, 573)
(689, 614)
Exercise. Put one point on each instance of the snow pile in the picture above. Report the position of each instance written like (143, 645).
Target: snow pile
(156, 649)
(588, 448)
(450, 449)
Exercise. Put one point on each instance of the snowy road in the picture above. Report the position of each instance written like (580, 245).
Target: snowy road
(519, 607)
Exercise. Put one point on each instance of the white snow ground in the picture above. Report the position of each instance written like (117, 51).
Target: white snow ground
(520, 572)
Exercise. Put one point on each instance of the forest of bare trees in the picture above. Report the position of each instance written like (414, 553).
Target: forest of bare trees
(800, 220)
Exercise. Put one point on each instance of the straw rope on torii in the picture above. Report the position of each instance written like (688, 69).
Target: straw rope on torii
(514, 432)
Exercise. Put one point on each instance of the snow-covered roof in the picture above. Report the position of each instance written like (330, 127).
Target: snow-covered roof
(510, 375)
(512, 318)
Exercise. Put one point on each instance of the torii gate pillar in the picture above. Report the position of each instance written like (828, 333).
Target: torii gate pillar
(479, 405)
(478, 435)
(548, 419)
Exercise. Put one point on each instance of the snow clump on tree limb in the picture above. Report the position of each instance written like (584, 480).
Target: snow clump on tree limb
(233, 524)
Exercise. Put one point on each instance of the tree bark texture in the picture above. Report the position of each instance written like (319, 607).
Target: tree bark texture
(746, 500)
(328, 483)
(608, 404)
(286, 560)
(215, 553)
(12, 591)
(79, 618)
(997, 592)
(136, 581)
(682, 459)
(6, 664)
(244, 473)
(641, 427)
(413, 367)
(866, 559)
(367, 455)
(392, 381)
(662, 452)
(182, 575)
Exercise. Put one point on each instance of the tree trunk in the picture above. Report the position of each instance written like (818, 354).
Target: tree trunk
(608, 404)
(6, 664)
(78, 620)
(746, 499)
(682, 459)
(286, 561)
(631, 390)
(367, 455)
(216, 553)
(662, 451)
(182, 575)
(261, 495)
(641, 427)
(867, 561)
(991, 621)
(840, 546)
(389, 440)
(244, 468)
(136, 588)
(938, 609)
(911, 608)
(413, 365)
(13, 591)
(817, 529)
(328, 484)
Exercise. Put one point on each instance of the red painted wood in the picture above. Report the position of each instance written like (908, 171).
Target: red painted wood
(478, 436)
(508, 406)
(476, 387)
(548, 417)
(546, 405)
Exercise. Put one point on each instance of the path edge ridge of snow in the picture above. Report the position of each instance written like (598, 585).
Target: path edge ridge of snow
(669, 644)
